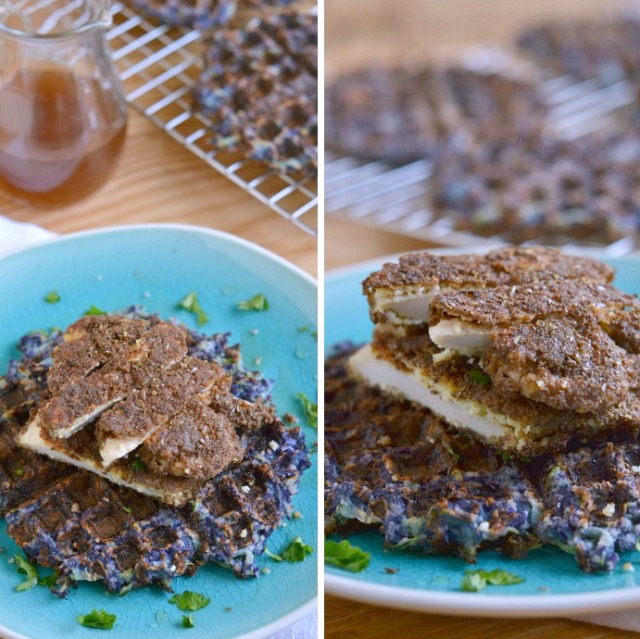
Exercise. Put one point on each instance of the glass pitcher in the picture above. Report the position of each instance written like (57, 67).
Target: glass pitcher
(63, 114)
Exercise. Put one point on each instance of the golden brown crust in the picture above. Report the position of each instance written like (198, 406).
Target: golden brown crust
(198, 443)
(568, 365)
(503, 267)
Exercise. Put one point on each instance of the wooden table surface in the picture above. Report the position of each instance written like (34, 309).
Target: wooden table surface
(157, 180)
(359, 32)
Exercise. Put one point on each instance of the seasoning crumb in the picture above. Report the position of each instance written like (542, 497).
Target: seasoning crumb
(297, 514)
(544, 589)
(265, 571)
(627, 566)
(254, 331)
(391, 571)
(228, 609)
(146, 295)
(257, 361)
(290, 418)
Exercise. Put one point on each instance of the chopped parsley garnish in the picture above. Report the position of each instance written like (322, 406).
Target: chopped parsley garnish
(187, 621)
(506, 457)
(31, 572)
(52, 297)
(303, 329)
(138, 464)
(190, 600)
(98, 619)
(127, 509)
(257, 303)
(18, 472)
(49, 581)
(344, 555)
(94, 310)
(479, 377)
(477, 580)
(297, 551)
(191, 303)
(310, 410)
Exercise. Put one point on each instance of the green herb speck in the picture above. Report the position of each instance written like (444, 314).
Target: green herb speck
(479, 377)
(30, 572)
(94, 310)
(52, 297)
(190, 601)
(187, 621)
(139, 465)
(344, 555)
(297, 551)
(191, 303)
(310, 410)
(257, 303)
(98, 619)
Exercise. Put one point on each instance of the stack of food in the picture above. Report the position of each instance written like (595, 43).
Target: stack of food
(497, 406)
(134, 451)
(259, 85)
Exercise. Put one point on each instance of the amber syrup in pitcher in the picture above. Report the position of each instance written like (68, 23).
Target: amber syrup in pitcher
(59, 138)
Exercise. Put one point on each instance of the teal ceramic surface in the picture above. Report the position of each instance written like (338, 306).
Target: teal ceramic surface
(553, 583)
(156, 266)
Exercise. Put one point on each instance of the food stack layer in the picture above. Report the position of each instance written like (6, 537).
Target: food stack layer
(521, 365)
(172, 454)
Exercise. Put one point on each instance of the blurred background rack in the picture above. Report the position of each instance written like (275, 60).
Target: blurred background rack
(395, 198)
(158, 66)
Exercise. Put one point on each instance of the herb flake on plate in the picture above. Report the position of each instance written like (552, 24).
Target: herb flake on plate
(310, 410)
(98, 619)
(257, 303)
(344, 555)
(52, 297)
(94, 310)
(297, 551)
(187, 621)
(477, 580)
(30, 572)
(190, 601)
(191, 303)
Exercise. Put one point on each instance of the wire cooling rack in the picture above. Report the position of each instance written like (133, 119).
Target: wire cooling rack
(395, 198)
(158, 66)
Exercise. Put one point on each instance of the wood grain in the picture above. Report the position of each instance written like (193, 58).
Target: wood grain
(157, 180)
(360, 32)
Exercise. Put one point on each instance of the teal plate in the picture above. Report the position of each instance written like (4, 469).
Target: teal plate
(553, 583)
(156, 266)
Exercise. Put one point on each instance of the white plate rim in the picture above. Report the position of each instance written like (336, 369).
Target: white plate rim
(295, 615)
(474, 604)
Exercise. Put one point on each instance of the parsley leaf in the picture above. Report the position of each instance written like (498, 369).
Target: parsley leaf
(138, 464)
(30, 571)
(297, 551)
(476, 580)
(257, 303)
(192, 304)
(98, 619)
(344, 555)
(479, 377)
(52, 297)
(27, 569)
(310, 410)
(187, 621)
(94, 310)
(190, 600)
